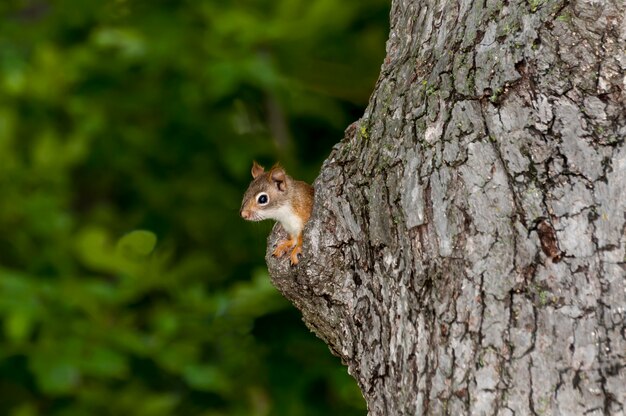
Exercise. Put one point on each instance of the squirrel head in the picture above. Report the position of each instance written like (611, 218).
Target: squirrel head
(267, 193)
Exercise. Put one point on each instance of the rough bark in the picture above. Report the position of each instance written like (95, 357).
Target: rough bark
(467, 250)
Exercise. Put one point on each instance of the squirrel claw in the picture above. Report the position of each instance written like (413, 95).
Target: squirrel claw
(282, 248)
(294, 244)
(294, 255)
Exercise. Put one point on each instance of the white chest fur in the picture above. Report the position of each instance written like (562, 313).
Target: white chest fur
(288, 218)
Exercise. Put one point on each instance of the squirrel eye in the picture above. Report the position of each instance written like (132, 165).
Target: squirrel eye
(262, 199)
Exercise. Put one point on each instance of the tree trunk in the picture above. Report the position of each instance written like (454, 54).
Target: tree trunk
(466, 254)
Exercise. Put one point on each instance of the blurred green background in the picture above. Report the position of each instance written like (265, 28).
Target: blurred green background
(128, 283)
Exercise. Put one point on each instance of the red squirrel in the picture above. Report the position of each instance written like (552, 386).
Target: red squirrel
(276, 195)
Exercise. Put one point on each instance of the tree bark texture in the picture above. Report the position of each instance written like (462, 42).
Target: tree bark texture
(467, 249)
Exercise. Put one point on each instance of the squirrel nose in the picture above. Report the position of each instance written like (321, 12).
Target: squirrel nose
(245, 214)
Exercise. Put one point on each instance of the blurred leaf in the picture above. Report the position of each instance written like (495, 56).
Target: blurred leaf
(137, 244)
(104, 362)
(93, 247)
(178, 356)
(206, 378)
(128, 41)
(26, 409)
(18, 326)
(157, 405)
(56, 376)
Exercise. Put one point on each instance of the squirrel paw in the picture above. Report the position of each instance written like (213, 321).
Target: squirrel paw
(294, 255)
(283, 247)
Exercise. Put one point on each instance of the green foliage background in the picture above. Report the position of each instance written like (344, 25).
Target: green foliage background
(128, 283)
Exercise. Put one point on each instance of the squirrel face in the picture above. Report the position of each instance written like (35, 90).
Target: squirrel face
(267, 196)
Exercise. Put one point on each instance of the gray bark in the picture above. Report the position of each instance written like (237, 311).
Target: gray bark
(467, 250)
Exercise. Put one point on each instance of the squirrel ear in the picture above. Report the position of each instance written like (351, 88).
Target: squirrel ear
(256, 169)
(278, 176)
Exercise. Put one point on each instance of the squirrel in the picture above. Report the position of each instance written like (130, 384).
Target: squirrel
(276, 195)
